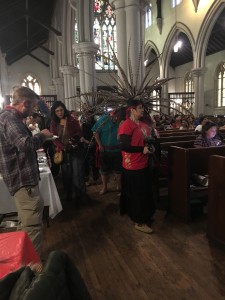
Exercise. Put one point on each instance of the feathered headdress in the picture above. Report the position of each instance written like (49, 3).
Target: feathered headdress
(124, 87)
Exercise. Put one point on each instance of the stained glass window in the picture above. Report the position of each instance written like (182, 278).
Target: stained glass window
(148, 16)
(188, 83)
(76, 37)
(31, 82)
(221, 85)
(104, 34)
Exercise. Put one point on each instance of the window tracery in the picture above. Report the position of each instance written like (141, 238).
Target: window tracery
(104, 34)
(220, 78)
(31, 82)
(188, 83)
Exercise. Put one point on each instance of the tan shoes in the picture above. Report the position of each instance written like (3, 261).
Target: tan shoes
(143, 227)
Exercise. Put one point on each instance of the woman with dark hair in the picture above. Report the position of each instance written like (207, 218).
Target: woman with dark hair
(70, 142)
(208, 136)
(136, 195)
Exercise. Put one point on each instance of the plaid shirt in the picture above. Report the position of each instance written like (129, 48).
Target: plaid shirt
(18, 157)
(202, 141)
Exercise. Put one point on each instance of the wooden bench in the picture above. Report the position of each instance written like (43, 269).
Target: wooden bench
(184, 144)
(177, 133)
(175, 138)
(216, 200)
(183, 162)
(160, 182)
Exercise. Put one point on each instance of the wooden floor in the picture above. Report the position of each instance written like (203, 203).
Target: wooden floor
(118, 262)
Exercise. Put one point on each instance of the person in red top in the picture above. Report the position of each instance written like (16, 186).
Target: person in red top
(136, 195)
(70, 141)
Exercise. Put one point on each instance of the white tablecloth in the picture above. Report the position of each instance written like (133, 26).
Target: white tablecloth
(48, 192)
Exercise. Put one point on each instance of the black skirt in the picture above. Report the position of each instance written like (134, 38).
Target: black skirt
(136, 198)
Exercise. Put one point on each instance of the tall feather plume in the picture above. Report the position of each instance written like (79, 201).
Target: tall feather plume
(130, 70)
(139, 65)
(126, 89)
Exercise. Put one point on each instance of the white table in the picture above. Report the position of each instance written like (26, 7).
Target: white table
(48, 192)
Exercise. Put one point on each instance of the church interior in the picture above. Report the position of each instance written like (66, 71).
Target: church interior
(93, 55)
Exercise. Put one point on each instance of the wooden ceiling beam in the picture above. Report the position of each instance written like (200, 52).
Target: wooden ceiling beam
(49, 28)
(11, 23)
(38, 59)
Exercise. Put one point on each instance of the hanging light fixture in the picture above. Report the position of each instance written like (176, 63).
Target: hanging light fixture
(196, 3)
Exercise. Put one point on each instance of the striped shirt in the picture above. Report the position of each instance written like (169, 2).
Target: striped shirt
(202, 141)
(18, 158)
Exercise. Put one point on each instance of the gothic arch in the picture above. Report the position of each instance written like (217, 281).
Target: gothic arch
(168, 46)
(38, 81)
(149, 45)
(205, 32)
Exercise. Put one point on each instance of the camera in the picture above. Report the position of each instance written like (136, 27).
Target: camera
(149, 142)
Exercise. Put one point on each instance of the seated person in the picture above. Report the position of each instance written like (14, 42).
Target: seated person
(176, 123)
(58, 279)
(208, 136)
(202, 121)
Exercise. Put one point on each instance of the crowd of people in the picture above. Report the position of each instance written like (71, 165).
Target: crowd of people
(123, 142)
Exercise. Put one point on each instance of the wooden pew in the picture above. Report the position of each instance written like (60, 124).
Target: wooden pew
(177, 133)
(216, 200)
(176, 138)
(183, 162)
(160, 181)
(184, 144)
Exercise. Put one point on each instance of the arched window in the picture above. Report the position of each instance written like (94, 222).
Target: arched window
(76, 36)
(148, 16)
(220, 78)
(188, 83)
(104, 34)
(175, 2)
(31, 82)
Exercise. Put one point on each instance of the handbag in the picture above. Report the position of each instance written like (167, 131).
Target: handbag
(58, 157)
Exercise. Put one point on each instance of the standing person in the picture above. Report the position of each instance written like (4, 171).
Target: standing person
(18, 162)
(105, 132)
(136, 195)
(70, 141)
(87, 123)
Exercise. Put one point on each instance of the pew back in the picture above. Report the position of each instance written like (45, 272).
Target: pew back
(216, 200)
(176, 138)
(183, 162)
(184, 144)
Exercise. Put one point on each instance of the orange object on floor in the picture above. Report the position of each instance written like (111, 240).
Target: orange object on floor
(16, 250)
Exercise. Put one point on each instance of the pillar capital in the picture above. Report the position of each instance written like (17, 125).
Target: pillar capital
(85, 48)
(52, 88)
(68, 70)
(58, 81)
(198, 72)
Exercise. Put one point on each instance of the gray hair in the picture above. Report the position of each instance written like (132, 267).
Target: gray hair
(24, 93)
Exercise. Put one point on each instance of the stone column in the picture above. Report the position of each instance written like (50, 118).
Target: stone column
(52, 89)
(69, 85)
(86, 52)
(121, 33)
(59, 87)
(129, 18)
(198, 75)
(68, 16)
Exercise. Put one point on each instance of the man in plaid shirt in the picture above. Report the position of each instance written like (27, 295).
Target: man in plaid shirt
(18, 162)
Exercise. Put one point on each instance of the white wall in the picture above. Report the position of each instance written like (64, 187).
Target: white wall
(18, 70)
(212, 61)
